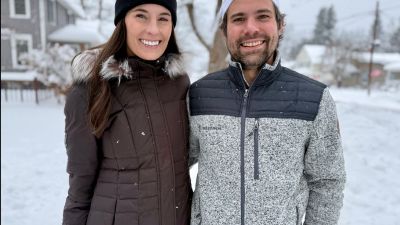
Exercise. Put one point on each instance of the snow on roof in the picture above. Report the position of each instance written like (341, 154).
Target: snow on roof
(106, 28)
(73, 7)
(18, 76)
(379, 57)
(394, 67)
(77, 34)
(316, 53)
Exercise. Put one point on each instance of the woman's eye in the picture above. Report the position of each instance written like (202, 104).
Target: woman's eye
(163, 19)
(140, 16)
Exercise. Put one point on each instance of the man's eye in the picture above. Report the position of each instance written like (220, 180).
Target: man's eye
(239, 19)
(262, 17)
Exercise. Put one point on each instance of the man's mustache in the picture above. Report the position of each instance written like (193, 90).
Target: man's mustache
(256, 36)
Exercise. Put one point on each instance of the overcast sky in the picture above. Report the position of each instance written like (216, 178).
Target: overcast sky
(351, 14)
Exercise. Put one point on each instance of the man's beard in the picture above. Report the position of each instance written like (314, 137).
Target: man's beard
(247, 62)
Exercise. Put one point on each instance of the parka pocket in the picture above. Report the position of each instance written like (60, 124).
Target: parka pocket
(112, 118)
(102, 211)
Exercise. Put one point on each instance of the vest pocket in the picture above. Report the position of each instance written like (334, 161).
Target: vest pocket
(299, 216)
(256, 154)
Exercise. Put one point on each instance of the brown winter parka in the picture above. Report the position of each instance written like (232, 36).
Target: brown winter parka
(137, 172)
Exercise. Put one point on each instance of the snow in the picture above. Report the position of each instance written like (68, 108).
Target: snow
(18, 76)
(77, 34)
(33, 160)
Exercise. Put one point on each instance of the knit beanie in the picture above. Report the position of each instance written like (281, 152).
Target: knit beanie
(123, 6)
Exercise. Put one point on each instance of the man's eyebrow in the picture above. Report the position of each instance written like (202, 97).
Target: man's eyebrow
(237, 14)
(257, 12)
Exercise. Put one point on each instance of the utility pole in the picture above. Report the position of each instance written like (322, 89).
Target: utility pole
(374, 43)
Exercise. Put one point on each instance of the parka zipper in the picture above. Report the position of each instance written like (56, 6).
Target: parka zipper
(256, 164)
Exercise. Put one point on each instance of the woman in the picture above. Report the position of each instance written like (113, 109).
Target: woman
(126, 124)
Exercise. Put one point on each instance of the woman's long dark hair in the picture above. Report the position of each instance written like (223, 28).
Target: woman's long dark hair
(99, 88)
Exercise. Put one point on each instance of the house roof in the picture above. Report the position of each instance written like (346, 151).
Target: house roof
(73, 7)
(317, 53)
(74, 33)
(378, 58)
(394, 67)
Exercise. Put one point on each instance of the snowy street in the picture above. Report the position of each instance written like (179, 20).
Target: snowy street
(33, 160)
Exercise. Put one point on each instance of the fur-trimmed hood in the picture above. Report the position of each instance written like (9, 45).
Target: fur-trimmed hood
(111, 68)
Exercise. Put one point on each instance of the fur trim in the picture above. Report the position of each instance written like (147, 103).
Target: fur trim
(82, 65)
(174, 66)
(111, 68)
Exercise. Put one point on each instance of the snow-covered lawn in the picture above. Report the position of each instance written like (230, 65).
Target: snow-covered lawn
(34, 182)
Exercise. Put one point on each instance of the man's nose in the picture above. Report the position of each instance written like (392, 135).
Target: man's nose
(251, 27)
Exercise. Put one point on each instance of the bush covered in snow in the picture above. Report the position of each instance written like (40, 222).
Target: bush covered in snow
(53, 66)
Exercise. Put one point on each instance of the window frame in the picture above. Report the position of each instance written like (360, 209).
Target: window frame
(54, 11)
(27, 14)
(14, 54)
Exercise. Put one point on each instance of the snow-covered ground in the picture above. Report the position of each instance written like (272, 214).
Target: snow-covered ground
(34, 182)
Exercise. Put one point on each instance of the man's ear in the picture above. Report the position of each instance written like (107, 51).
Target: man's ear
(281, 30)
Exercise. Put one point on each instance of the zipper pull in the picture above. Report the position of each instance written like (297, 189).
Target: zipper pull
(246, 93)
(256, 125)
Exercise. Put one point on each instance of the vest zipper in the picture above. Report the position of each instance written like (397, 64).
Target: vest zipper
(242, 171)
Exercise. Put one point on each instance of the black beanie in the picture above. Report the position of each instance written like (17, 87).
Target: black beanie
(123, 6)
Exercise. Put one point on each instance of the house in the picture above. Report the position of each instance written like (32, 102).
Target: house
(385, 66)
(392, 71)
(329, 65)
(27, 24)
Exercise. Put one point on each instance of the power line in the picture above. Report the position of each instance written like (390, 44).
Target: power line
(357, 15)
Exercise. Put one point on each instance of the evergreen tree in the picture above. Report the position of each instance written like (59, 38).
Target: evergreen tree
(395, 40)
(325, 26)
(330, 24)
(319, 29)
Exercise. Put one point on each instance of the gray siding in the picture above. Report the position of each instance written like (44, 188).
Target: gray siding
(22, 26)
(6, 63)
(61, 19)
(18, 26)
(28, 26)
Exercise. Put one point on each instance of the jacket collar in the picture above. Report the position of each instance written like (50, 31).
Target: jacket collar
(266, 76)
(82, 65)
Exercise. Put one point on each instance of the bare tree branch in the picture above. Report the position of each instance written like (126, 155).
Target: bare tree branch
(219, 3)
(100, 9)
(191, 15)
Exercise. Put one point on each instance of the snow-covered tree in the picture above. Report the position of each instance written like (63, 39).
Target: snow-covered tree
(53, 66)
(199, 37)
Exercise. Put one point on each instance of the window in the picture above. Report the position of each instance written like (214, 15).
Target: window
(22, 47)
(70, 18)
(51, 11)
(20, 44)
(20, 9)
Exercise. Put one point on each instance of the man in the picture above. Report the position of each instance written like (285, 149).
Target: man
(266, 137)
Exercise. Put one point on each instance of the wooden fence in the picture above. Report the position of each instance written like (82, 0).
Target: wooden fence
(25, 91)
